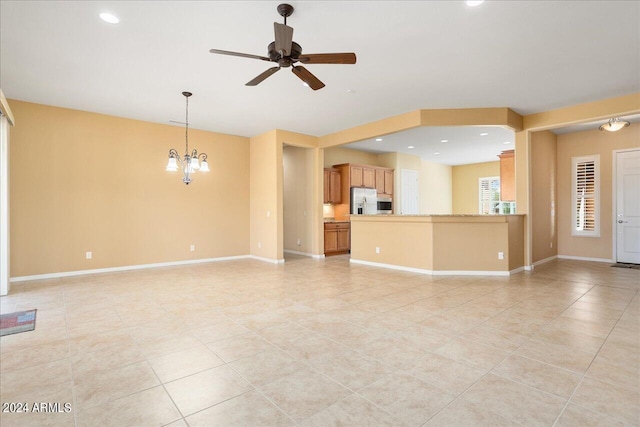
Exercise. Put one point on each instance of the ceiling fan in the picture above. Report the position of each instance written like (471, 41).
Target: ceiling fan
(285, 52)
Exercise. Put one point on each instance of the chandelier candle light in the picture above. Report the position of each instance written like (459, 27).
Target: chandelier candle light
(190, 162)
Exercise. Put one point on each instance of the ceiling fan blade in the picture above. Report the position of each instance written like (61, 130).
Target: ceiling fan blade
(243, 55)
(306, 76)
(328, 58)
(262, 76)
(284, 38)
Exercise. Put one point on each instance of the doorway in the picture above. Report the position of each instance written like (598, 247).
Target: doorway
(627, 206)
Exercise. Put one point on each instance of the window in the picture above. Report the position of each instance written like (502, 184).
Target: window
(585, 196)
(489, 196)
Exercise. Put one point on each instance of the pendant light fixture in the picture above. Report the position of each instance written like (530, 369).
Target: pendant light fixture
(190, 162)
(614, 124)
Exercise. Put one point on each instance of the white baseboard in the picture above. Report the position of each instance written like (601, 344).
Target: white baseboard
(470, 273)
(434, 272)
(390, 266)
(124, 268)
(516, 271)
(287, 251)
(269, 260)
(580, 258)
(542, 261)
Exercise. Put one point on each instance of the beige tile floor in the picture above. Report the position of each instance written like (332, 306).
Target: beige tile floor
(326, 343)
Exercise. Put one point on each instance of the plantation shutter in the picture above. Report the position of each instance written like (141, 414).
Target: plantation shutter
(585, 196)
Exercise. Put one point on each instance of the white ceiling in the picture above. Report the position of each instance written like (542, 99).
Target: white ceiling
(464, 144)
(530, 56)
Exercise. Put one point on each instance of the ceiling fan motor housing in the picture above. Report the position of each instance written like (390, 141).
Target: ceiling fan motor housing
(274, 55)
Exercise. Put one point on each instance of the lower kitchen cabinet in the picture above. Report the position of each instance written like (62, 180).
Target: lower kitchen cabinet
(336, 238)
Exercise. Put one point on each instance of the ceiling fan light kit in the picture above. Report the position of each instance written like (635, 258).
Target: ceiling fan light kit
(287, 53)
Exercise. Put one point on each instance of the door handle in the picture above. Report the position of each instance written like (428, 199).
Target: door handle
(621, 221)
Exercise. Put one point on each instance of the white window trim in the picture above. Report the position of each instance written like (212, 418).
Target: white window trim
(596, 196)
(501, 204)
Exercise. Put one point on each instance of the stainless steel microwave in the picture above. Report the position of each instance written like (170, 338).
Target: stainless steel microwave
(385, 205)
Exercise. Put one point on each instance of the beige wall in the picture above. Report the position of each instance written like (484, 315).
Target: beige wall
(338, 156)
(465, 185)
(440, 243)
(543, 195)
(266, 196)
(297, 198)
(583, 144)
(436, 188)
(90, 182)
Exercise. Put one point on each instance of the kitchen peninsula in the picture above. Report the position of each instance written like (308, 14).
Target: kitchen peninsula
(440, 244)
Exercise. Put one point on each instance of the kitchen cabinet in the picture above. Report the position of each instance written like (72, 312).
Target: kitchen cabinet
(336, 238)
(332, 182)
(384, 181)
(507, 176)
(362, 176)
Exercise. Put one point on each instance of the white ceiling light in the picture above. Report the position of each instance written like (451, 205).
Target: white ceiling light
(189, 162)
(507, 142)
(484, 134)
(474, 3)
(411, 146)
(444, 140)
(378, 139)
(614, 124)
(109, 17)
(436, 154)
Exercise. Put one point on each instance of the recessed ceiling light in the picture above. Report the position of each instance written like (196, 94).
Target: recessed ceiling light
(109, 17)
(507, 142)
(436, 154)
(351, 91)
(444, 140)
(474, 3)
(411, 146)
(378, 139)
(484, 134)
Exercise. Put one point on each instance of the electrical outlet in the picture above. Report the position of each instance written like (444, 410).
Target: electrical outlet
(259, 245)
(192, 248)
(268, 214)
(377, 249)
(500, 255)
(88, 255)
(299, 242)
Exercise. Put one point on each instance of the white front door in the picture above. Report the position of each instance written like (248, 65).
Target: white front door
(628, 206)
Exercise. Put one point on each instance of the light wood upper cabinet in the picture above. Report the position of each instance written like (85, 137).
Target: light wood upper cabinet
(362, 176)
(388, 182)
(356, 176)
(332, 189)
(368, 177)
(326, 183)
(384, 181)
(507, 176)
(380, 181)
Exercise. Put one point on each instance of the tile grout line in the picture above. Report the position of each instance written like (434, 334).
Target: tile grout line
(587, 370)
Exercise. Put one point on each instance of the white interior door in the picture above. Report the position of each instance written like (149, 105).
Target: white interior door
(410, 202)
(628, 206)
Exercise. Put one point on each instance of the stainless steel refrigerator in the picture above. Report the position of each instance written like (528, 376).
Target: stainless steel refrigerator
(364, 201)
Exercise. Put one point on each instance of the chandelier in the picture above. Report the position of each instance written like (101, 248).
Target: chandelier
(190, 162)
